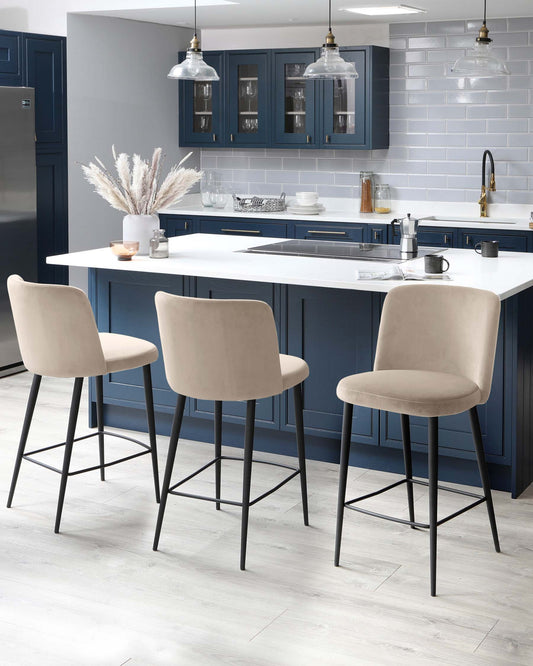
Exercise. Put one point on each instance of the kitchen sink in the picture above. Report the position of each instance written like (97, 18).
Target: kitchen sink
(467, 220)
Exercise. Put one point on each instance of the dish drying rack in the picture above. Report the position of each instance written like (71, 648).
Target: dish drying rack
(259, 204)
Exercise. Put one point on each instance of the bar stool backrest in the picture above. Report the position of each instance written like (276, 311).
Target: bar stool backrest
(442, 328)
(219, 349)
(56, 331)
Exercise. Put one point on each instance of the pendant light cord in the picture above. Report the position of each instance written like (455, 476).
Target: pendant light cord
(484, 12)
(195, 18)
(329, 17)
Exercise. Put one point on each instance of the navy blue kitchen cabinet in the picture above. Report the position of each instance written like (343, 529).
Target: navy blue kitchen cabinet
(355, 112)
(118, 298)
(10, 58)
(238, 227)
(234, 111)
(176, 225)
(201, 107)
(268, 103)
(335, 331)
(294, 112)
(355, 233)
(39, 61)
(513, 241)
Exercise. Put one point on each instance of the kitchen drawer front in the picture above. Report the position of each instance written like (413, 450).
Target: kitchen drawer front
(432, 236)
(175, 225)
(233, 227)
(507, 241)
(332, 232)
(376, 233)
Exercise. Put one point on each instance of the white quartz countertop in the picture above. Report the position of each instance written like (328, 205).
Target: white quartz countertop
(460, 215)
(216, 256)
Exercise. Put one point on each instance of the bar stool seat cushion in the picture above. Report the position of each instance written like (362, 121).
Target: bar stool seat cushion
(412, 392)
(123, 352)
(293, 370)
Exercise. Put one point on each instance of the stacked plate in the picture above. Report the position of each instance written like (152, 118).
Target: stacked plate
(306, 204)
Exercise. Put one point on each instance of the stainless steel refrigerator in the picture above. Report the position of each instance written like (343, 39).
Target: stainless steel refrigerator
(18, 219)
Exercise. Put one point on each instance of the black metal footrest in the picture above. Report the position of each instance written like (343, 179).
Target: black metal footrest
(295, 472)
(480, 499)
(27, 456)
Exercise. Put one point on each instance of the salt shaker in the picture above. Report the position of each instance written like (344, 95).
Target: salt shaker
(159, 245)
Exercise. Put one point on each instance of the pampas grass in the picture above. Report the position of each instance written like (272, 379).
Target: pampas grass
(135, 189)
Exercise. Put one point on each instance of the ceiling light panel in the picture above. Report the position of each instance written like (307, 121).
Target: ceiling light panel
(389, 10)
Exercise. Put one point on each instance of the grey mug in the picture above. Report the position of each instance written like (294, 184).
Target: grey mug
(487, 248)
(434, 263)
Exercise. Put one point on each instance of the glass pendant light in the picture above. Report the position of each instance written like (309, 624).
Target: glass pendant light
(193, 68)
(330, 65)
(480, 62)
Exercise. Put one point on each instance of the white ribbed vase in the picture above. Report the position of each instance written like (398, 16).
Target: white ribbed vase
(140, 228)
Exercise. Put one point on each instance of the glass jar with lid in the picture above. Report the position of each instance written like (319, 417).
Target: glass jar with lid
(367, 191)
(382, 199)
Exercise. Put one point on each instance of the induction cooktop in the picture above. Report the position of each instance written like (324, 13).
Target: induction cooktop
(341, 250)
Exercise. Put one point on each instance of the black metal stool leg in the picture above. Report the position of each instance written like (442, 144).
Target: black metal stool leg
(99, 382)
(483, 472)
(247, 476)
(172, 446)
(218, 449)
(69, 442)
(149, 400)
(30, 407)
(343, 475)
(433, 467)
(300, 442)
(408, 463)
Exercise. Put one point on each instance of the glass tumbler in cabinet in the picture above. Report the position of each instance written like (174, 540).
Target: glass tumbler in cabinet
(203, 106)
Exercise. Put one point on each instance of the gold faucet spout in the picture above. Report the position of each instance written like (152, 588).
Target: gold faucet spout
(492, 185)
(483, 202)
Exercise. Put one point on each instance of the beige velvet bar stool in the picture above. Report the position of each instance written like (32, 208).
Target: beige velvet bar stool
(226, 350)
(57, 336)
(434, 357)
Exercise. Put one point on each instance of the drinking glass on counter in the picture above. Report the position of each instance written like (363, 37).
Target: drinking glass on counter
(208, 185)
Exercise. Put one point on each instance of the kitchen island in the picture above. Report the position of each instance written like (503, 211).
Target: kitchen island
(327, 316)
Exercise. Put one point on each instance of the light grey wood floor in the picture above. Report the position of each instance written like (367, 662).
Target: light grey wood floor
(97, 594)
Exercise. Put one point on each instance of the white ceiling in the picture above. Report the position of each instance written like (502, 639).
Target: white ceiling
(261, 13)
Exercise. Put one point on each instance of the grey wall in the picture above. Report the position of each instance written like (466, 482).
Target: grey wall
(439, 129)
(118, 93)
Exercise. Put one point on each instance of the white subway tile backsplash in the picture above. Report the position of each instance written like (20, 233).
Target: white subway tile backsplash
(446, 28)
(426, 42)
(496, 140)
(415, 56)
(439, 127)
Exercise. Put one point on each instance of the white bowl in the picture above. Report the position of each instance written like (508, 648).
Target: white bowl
(306, 198)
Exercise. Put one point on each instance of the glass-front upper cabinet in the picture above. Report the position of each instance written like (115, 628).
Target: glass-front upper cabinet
(294, 98)
(247, 103)
(344, 105)
(201, 109)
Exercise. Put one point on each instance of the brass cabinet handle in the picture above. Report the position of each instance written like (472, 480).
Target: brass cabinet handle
(467, 240)
(327, 233)
(214, 137)
(327, 138)
(376, 234)
(186, 225)
(446, 239)
(308, 138)
(231, 137)
(241, 231)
